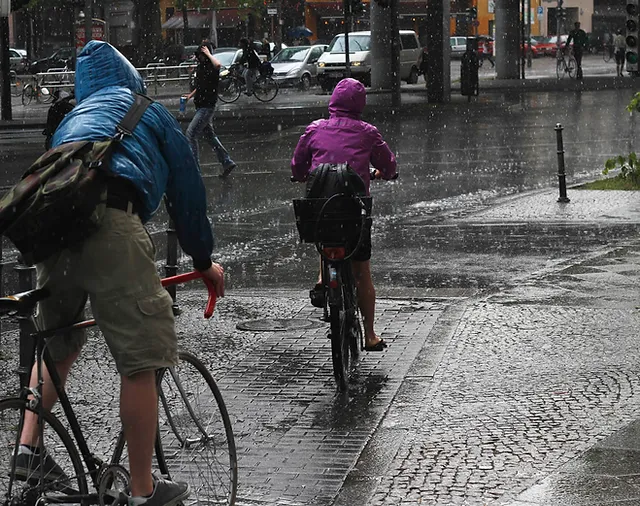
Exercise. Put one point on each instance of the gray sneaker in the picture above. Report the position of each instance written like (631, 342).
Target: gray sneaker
(165, 493)
(28, 469)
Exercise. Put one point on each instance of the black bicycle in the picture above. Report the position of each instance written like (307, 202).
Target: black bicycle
(336, 225)
(194, 442)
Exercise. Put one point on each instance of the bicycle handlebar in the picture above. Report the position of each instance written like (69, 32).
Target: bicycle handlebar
(190, 276)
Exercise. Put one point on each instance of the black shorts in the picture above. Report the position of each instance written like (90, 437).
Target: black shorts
(620, 56)
(364, 251)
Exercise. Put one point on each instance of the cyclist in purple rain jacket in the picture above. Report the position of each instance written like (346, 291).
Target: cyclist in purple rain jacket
(345, 138)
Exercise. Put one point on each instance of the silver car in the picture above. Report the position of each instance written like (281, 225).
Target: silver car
(296, 66)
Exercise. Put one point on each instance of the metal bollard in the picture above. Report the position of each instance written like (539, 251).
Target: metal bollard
(27, 345)
(562, 178)
(155, 80)
(171, 266)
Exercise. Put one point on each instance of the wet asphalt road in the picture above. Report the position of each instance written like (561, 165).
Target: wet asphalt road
(450, 158)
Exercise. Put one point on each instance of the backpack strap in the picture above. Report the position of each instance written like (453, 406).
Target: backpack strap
(128, 124)
(318, 180)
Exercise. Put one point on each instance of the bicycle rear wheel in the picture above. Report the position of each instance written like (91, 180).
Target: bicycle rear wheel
(195, 433)
(21, 485)
(572, 68)
(560, 68)
(229, 89)
(265, 89)
(607, 54)
(339, 325)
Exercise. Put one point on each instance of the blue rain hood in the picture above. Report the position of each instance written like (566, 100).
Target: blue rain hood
(157, 158)
(99, 66)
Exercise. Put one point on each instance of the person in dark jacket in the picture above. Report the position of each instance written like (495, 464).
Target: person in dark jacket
(115, 267)
(252, 62)
(206, 96)
(580, 42)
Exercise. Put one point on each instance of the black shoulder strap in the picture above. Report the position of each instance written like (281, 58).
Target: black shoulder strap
(128, 124)
(318, 180)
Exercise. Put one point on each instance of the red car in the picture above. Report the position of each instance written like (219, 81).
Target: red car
(544, 45)
(535, 52)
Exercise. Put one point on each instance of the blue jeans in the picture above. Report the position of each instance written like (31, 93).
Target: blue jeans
(202, 125)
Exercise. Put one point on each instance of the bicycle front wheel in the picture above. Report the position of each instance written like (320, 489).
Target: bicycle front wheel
(572, 68)
(265, 89)
(352, 320)
(27, 94)
(20, 482)
(607, 54)
(560, 68)
(195, 434)
(229, 89)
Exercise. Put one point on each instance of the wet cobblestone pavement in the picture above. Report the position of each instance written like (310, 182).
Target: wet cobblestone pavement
(520, 394)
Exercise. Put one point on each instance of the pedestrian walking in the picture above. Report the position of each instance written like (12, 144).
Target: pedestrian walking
(115, 266)
(620, 46)
(205, 96)
(580, 42)
(251, 60)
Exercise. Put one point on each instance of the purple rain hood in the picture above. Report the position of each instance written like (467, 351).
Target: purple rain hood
(344, 138)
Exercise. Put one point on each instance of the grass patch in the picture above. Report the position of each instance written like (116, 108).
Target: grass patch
(611, 183)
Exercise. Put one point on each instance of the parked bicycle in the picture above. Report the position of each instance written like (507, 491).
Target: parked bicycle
(16, 83)
(194, 442)
(232, 84)
(566, 64)
(36, 91)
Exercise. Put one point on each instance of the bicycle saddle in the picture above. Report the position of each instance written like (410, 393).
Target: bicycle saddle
(23, 303)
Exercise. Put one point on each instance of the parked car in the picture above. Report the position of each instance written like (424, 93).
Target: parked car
(332, 63)
(296, 66)
(543, 44)
(18, 61)
(554, 43)
(229, 57)
(56, 60)
(458, 46)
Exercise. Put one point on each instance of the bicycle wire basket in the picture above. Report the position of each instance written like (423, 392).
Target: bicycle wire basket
(337, 220)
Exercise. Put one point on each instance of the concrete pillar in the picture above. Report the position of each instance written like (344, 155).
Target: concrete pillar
(439, 51)
(381, 23)
(507, 37)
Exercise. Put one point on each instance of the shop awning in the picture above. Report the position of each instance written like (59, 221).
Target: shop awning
(224, 17)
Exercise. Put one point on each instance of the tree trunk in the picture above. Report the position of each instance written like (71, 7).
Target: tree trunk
(147, 38)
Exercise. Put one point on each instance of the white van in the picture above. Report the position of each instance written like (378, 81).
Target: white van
(331, 65)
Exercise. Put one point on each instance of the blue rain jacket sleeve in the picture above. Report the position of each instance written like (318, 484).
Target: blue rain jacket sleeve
(186, 196)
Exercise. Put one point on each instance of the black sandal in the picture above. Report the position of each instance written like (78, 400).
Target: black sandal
(379, 346)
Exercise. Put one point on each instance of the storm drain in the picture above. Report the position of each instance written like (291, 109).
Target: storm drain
(279, 324)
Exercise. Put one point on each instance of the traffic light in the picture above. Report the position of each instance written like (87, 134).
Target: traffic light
(473, 12)
(631, 54)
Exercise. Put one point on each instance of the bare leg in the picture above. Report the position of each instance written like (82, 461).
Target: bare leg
(139, 414)
(30, 431)
(366, 299)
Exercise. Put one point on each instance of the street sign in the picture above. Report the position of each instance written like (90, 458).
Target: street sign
(540, 12)
(5, 8)
(272, 11)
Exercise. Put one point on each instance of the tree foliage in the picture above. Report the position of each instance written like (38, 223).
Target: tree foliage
(629, 165)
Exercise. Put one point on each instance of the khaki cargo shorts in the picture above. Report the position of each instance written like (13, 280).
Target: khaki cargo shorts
(115, 269)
